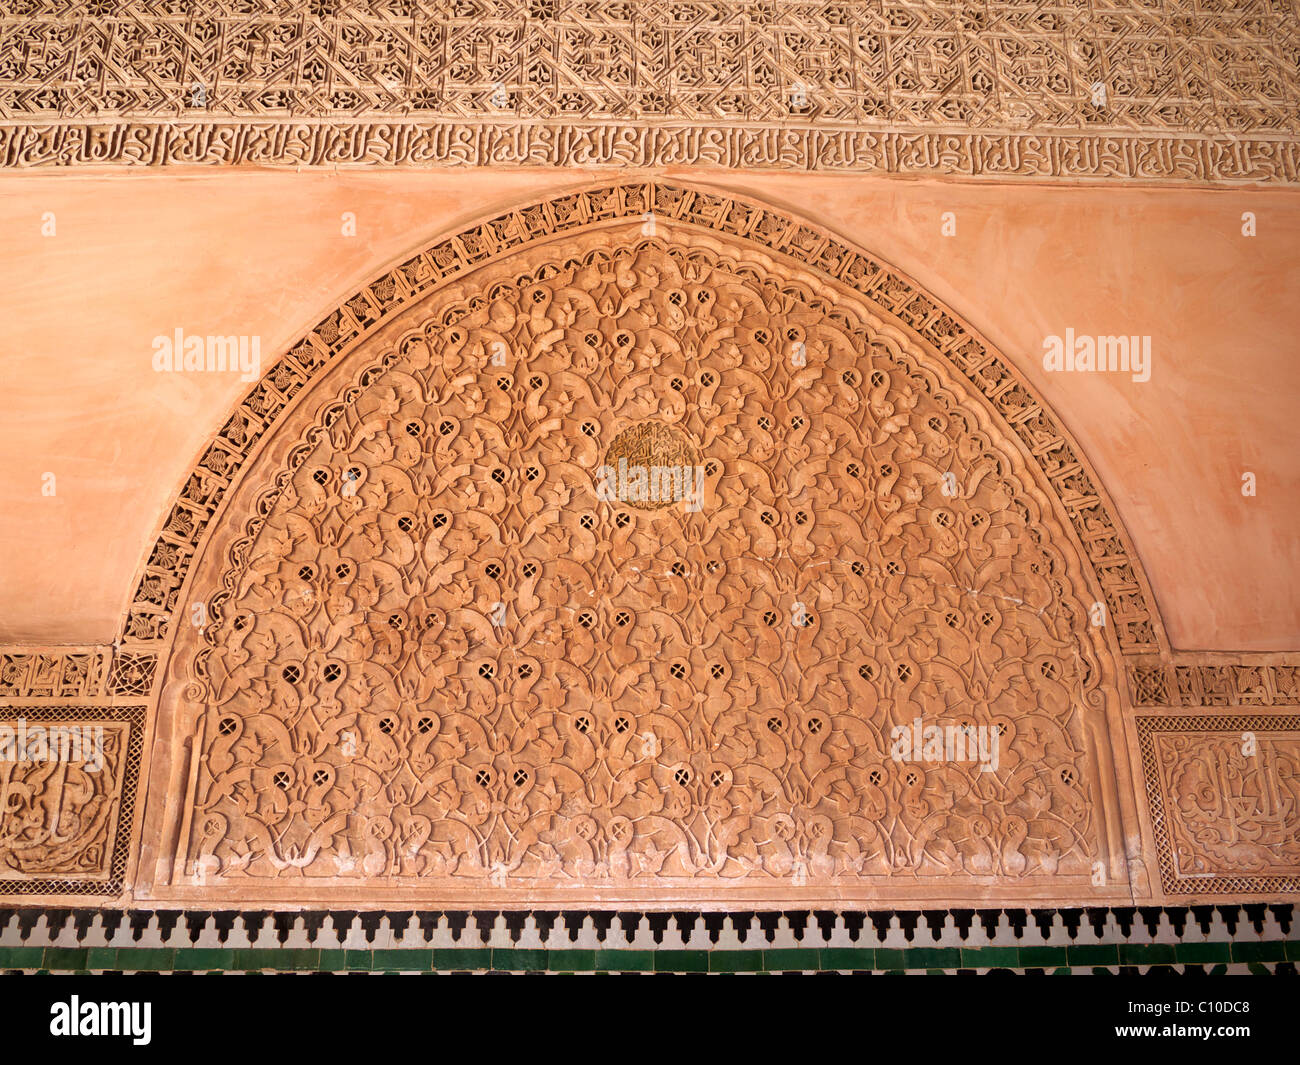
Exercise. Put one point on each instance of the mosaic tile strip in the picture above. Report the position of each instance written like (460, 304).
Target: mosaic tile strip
(1275, 956)
(1080, 930)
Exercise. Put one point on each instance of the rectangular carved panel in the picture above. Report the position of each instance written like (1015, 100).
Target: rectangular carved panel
(1217, 680)
(68, 780)
(53, 673)
(1224, 794)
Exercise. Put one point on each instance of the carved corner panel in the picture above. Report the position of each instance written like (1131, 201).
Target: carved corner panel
(68, 787)
(1224, 797)
(456, 650)
(55, 674)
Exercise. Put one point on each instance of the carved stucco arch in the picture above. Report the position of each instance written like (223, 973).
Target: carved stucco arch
(953, 376)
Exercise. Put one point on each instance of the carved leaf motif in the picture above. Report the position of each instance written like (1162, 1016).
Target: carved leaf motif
(448, 657)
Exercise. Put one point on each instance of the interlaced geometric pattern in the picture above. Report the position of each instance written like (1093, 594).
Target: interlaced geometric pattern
(1162, 90)
(29, 673)
(94, 674)
(1259, 680)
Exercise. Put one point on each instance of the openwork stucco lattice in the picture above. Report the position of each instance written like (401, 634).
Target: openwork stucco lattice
(1164, 91)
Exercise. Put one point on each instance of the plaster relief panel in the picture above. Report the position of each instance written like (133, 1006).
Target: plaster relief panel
(641, 565)
(67, 795)
(1224, 795)
(1157, 91)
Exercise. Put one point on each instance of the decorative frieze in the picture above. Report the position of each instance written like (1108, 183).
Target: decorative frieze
(1150, 92)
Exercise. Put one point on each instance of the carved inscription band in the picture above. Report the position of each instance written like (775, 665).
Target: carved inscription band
(961, 153)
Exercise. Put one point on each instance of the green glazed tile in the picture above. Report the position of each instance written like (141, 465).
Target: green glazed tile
(304, 958)
(735, 961)
(614, 961)
(66, 959)
(407, 961)
(571, 961)
(1146, 954)
(933, 957)
(1093, 954)
(782, 960)
(154, 959)
(890, 959)
(101, 958)
(1272, 950)
(204, 959)
(1201, 953)
(462, 958)
(275, 960)
(518, 960)
(1042, 957)
(990, 957)
(21, 957)
(849, 958)
(681, 961)
(358, 960)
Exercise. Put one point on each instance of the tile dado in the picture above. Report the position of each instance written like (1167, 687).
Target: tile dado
(1253, 939)
(1215, 958)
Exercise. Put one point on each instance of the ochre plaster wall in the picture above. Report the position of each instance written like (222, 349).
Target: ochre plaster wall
(262, 253)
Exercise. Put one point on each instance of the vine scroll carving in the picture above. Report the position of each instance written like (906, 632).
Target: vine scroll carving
(451, 651)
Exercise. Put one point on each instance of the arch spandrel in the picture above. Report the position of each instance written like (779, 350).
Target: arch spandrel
(440, 665)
